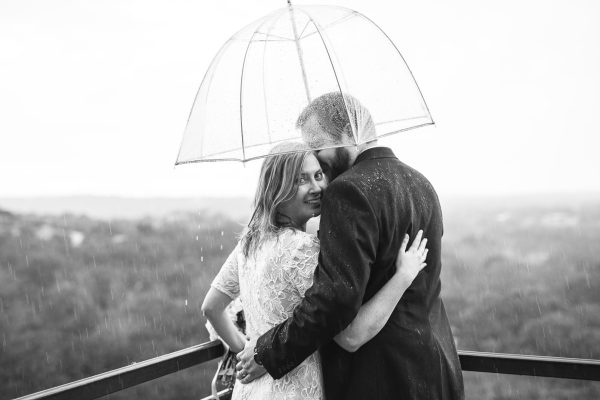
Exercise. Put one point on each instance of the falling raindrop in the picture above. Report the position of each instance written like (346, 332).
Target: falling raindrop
(12, 272)
(201, 258)
(587, 278)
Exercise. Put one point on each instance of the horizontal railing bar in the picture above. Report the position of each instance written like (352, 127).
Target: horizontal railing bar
(540, 366)
(144, 371)
(131, 375)
(223, 395)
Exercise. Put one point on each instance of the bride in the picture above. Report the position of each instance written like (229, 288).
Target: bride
(272, 266)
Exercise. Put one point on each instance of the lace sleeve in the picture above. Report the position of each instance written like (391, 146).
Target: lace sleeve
(302, 263)
(227, 280)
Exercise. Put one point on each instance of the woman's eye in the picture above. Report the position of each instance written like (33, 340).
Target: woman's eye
(301, 181)
(319, 175)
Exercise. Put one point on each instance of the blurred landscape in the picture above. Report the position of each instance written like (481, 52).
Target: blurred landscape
(92, 284)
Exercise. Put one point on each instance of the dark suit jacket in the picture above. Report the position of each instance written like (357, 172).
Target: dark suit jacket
(365, 213)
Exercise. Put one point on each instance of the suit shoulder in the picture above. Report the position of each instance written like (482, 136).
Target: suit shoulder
(344, 184)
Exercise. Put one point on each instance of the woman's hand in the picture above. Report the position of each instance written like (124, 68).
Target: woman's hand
(410, 262)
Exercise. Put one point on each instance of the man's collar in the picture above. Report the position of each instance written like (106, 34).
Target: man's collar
(375, 152)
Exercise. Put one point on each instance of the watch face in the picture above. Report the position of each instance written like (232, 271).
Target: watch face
(256, 359)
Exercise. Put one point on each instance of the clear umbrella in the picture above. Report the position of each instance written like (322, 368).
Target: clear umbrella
(263, 76)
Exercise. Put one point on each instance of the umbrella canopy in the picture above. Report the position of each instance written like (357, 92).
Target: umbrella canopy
(266, 74)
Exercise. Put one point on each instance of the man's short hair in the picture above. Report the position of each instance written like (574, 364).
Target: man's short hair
(341, 116)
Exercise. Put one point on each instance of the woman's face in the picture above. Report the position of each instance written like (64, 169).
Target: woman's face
(306, 203)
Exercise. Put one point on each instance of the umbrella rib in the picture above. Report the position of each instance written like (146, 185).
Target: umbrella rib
(299, 51)
(265, 92)
(204, 159)
(263, 77)
(407, 128)
(286, 152)
(303, 30)
(252, 146)
(333, 68)
(404, 61)
(401, 119)
(206, 75)
(281, 38)
(333, 23)
(242, 87)
(330, 147)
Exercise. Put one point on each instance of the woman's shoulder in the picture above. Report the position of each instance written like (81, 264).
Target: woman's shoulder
(296, 235)
(297, 238)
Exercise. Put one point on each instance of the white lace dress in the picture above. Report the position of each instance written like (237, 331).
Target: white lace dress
(270, 284)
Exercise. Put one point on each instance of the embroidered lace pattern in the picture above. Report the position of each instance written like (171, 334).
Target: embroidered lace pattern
(270, 284)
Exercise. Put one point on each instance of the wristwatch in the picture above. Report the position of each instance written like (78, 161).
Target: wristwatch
(256, 360)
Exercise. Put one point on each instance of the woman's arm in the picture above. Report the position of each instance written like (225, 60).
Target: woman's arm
(213, 308)
(374, 314)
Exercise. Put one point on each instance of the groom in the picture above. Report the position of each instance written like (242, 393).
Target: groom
(372, 201)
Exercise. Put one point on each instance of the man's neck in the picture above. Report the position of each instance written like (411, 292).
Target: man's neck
(367, 146)
(360, 149)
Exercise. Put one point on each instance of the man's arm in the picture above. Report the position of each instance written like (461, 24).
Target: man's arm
(349, 235)
(375, 313)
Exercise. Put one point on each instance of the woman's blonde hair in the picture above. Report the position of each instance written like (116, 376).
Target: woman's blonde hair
(277, 183)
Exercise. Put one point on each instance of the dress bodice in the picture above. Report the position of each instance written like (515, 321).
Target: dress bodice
(270, 283)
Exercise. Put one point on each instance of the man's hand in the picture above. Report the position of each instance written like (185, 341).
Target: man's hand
(247, 369)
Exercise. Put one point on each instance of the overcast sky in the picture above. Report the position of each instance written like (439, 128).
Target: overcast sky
(94, 95)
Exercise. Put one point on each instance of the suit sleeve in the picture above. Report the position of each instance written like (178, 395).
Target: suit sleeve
(349, 236)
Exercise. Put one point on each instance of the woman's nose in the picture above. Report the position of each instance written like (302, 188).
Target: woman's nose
(315, 187)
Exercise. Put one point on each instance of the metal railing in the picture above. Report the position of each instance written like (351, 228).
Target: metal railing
(131, 375)
(137, 373)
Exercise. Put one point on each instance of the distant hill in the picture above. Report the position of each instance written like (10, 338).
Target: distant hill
(236, 208)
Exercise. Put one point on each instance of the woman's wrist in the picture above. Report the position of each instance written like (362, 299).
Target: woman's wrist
(404, 277)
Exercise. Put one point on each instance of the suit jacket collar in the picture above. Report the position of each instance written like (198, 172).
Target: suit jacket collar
(375, 152)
